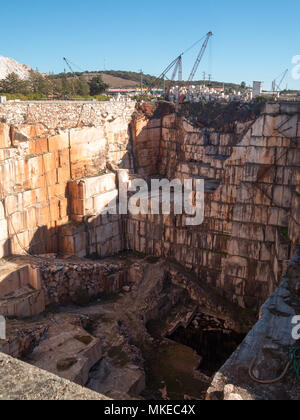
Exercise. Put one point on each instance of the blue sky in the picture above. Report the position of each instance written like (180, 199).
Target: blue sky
(253, 40)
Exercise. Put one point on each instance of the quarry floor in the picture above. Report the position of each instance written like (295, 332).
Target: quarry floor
(151, 340)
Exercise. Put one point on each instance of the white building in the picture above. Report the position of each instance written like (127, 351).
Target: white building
(257, 89)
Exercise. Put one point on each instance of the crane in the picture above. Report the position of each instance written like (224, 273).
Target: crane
(162, 75)
(74, 74)
(197, 62)
(275, 86)
(177, 69)
(282, 79)
(176, 65)
(69, 65)
(200, 56)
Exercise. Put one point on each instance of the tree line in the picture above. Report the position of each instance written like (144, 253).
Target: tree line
(38, 86)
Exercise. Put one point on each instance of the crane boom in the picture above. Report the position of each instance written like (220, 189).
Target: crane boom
(177, 69)
(282, 79)
(75, 75)
(200, 56)
(162, 76)
(180, 69)
(69, 65)
(166, 71)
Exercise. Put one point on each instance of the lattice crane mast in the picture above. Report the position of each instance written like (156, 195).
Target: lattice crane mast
(282, 79)
(69, 65)
(165, 72)
(72, 71)
(200, 56)
(276, 87)
(177, 70)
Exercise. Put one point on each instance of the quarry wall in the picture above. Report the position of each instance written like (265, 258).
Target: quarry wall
(42, 147)
(62, 163)
(252, 221)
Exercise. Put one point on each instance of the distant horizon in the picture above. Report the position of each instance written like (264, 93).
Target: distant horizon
(146, 74)
(90, 70)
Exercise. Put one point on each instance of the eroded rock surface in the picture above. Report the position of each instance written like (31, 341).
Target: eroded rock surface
(269, 341)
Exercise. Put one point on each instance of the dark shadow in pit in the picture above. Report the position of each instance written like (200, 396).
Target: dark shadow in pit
(211, 340)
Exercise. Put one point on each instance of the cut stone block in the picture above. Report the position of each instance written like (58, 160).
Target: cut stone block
(24, 302)
(4, 136)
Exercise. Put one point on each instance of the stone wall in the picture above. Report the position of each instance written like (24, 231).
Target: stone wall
(77, 282)
(251, 202)
(43, 146)
(29, 284)
(146, 127)
(65, 114)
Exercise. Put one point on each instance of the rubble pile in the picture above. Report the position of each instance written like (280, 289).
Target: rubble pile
(203, 93)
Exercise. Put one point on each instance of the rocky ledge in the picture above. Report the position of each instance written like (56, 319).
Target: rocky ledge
(269, 342)
(18, 380)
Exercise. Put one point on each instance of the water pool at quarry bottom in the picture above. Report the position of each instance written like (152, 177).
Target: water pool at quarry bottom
(171, 373)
